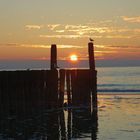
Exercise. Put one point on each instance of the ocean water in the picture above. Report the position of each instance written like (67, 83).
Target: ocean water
(118, 80)
(119, 117)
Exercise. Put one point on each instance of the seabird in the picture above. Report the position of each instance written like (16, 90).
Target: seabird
(90, 39)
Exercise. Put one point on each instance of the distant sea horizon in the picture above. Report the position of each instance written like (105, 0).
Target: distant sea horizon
(45, 64)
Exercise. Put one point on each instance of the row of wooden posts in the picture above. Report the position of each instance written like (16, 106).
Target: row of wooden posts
(31, 89)
(81, 84)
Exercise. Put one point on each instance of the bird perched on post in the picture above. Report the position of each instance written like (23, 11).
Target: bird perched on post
(90, 39)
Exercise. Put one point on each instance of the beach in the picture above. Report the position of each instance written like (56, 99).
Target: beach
(117, 118)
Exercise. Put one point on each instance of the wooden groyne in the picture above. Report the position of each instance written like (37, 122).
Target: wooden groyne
(28, 90)
(40, 89)
(80, 86)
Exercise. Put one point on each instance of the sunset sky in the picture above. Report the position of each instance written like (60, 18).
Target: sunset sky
(29, 27)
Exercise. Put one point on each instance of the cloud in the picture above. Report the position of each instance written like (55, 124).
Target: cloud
(68, 46)
(60, 31)
(110, 47)
(37, 46)
(49, 46)
(87, 29)
(34, 46)
(61, 36)
(131, 19)
(53, 26)
(80, 31)
(119, 36)
(30, 27)
(71, 36)
(84, 29)
(8, 45)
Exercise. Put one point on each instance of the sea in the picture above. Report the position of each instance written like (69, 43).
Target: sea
(119, 80)
(116, 118)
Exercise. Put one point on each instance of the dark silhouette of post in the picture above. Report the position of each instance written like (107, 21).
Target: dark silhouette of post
(61, 87)
(93, 73)
(53, 57)
(68, 85)
(91, 55)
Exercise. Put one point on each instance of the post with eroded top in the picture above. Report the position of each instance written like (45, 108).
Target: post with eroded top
(53, 57)
(91, 56)
(93, 74)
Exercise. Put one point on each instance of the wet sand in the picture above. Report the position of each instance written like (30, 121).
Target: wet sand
(118, 118)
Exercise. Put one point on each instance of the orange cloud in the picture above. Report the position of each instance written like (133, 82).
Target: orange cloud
(60, 36)
(53, 26)
(80, 31)
(119, 36)
(30, 27)
(131, 19)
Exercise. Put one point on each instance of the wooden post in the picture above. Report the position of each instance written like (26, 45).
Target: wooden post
(91, 56)
(81, 121)
(68, 86)
(69, 124)
(53, 57)
(61, 87)
(75, 98)
(62, 125)
(52, 88)
(94, 122)
(81, 89)
(93, 74)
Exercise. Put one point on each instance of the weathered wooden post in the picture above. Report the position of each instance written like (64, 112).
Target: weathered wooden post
(61, 87)
(68, 84)
(91, 56)
(69, 123)
(93, 74)
(62, 125)
(94, 122)
(53, 57)
(53, 81)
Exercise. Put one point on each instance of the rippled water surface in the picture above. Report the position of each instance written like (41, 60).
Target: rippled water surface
(119, 79)
(118, 118)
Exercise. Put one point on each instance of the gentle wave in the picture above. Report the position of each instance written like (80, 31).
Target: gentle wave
(116, 85)
(118, 90)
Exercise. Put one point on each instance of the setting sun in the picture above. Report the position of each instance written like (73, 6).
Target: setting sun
(73, 57)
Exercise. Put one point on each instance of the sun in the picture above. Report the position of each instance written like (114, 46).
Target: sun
(73, 57)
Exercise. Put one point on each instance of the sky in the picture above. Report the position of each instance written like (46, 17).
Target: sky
(29, 27)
